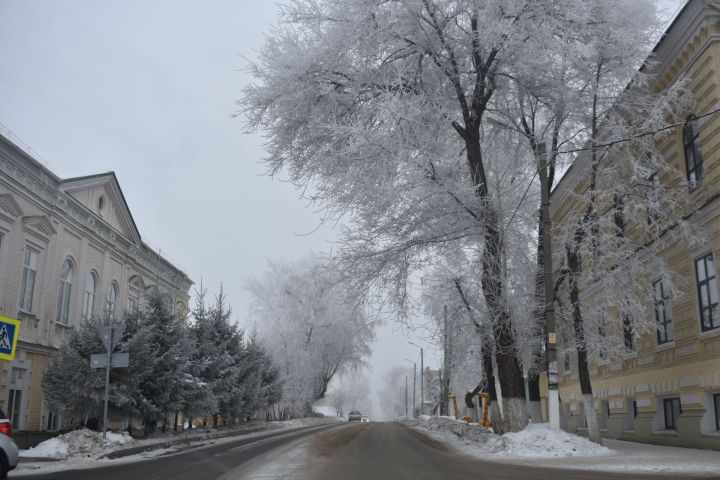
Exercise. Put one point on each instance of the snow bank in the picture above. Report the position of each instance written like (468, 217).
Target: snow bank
(539, 440)
(535, 441)
(78, 443)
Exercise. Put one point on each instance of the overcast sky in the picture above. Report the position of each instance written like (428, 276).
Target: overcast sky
(147, 89)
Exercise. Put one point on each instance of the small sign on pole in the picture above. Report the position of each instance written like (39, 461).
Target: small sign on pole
(9, 333)
(117, 360)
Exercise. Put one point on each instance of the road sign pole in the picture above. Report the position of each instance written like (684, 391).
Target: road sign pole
(107, 383)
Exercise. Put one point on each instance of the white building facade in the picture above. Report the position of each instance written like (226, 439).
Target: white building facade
(69, 252)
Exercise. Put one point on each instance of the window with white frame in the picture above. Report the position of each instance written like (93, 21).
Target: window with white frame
(630, 414)
(66, 275)
(89, 297)
(133, 298)
(27, 289)
(112, 300)
(691, 147)
(671, 412)
(628, 331)
(663, 314)
(602, 333)
(707, 290)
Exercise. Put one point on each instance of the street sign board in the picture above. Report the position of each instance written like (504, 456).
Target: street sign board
(9, 333)
(117, 360)
(110, 334)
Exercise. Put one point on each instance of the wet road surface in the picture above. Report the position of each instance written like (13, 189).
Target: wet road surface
(380, 451)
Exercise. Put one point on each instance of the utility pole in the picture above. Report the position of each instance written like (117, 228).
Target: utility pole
(551, 345)
(445, 388)
(414, 380)
(406, 383)
(422, 383)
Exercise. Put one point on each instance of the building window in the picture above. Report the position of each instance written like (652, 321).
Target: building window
(631, 414)
(112, 300)
(628, 332)
(672, 410)
(716, 401)
(66, 274)
(707, 292)
(602, 333)
(14, 407)
(30, 261)
(89, 298)
(663, 317)
(691, 146)
(133, 298)
(654, 205)
(53, 421)
(619, 215)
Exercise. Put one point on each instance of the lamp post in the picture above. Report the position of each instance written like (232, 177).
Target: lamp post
(422, 381)
(406, 395)
(414, 378)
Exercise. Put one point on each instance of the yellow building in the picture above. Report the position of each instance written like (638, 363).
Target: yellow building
(666, 388)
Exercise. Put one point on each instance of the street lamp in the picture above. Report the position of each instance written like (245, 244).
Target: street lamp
(422, 384)
(414, 377)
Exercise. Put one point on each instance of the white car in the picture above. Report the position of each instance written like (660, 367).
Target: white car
(8, 449)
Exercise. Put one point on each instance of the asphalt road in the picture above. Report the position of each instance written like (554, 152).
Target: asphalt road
(207, 462)
(380, 451)
(368, 451)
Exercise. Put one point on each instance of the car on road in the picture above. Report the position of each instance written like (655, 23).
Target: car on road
(8, 449)
(355, 416)
(364, 419)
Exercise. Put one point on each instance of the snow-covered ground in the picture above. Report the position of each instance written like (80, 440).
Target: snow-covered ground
(85, 448)
(78, 443)
(539, 445)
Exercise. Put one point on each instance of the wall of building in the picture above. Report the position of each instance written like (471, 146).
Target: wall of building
(38, 211)
(687, 368)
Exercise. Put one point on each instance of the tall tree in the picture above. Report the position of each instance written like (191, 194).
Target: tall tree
(311, 326)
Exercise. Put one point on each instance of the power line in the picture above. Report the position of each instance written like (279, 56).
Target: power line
(639, 135)
(602, 145)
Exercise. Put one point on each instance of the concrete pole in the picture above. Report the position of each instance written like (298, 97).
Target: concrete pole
(406, 399)
(551, 345)
(422, 383)
(107, 382)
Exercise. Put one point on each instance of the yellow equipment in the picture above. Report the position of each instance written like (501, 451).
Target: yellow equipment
(485, 420)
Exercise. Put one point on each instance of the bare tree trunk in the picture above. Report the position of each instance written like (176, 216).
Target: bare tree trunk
(510, 377)
(575, 267)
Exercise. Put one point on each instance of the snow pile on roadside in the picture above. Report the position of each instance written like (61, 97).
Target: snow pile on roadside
(539, 440)
(470, 434)
(77, 443)
(535, 441)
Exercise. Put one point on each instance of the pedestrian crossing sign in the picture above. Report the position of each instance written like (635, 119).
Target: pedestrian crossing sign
(9, 333)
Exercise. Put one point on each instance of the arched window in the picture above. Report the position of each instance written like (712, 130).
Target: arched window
(66, 274)
(112, 300)
(89, 299)
(134, 287)
(693, 156)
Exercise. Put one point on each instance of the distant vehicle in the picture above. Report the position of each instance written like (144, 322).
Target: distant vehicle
(8, 449)
(355, 416)
(364, 419)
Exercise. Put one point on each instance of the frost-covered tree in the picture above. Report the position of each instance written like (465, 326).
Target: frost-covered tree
(349, 392)
(312, 327)
(373, 101)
